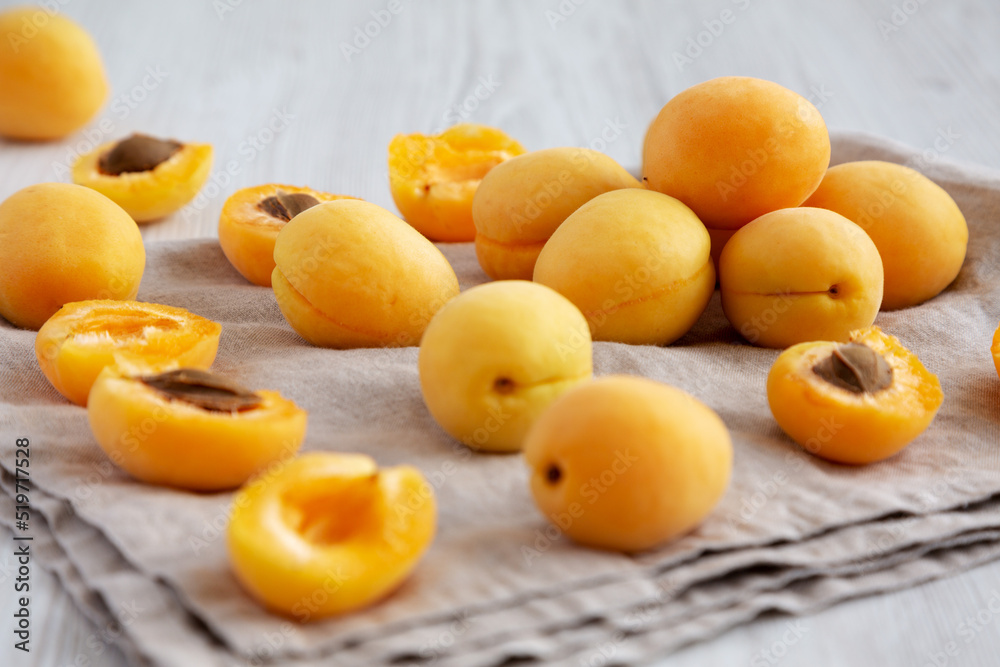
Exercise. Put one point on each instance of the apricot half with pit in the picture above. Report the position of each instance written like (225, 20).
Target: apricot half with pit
(251, 219)
(637, 264)
(434, 177)
(61, 243)
(855, 402)
(800, 274)
(496, 356)
(148, 177)
(329, 533)
(351, 274)
(84, 337)
(626, 463)
(191, 429)
(522, 201)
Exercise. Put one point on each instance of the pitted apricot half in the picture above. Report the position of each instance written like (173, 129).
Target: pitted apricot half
(190, 429)
(853, 403)
(148, 177)
(433, 177)
(84, 337)
(329, 533)
(251, 219)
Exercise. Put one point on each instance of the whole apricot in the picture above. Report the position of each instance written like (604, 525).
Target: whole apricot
(148, 177)
(351, 274)
(329, 522)
(522, 201)
(434, 177)
(626, 463)
(82, 338)
(853, 403)
(637, 264)
(496, 356)
(917, 227)
(61, 243)
(51, 75)
(251, 219)
(800, 274)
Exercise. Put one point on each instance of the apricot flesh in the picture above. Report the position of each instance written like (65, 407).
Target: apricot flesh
(522, 201)
(917, 227)
(250, 222)
(159, 438)
(61, 243)
(844, 425)
(800, 274)
(84, 337)
(995, 349)
(351, 274)
(51, 75)
(494, 357)
(637, 264)
(626, 463)
(329, 533)
(434, 177)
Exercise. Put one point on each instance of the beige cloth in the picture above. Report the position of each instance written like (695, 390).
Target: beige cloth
(793, 533)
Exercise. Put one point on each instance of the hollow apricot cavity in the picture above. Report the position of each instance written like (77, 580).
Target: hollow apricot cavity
(148, 177)
(853, 403)
(626, 463)
(434, 177)
(251, 219)
(61, 243)
(190, 429)
(330, 523)
(82, 338)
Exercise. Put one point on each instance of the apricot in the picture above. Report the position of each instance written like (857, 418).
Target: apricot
(190, 429)
(637, 264)
(735, 148)
(626, 463)
(494, 357)
(995, 349)
(917, 227)
(351, 274)
(251, 219)
(84, 337)
(329, 523)
(51, 75)
(148, 177)
(854, 403)
(433, 177)
(800, 274)
(522, 201)
(61, 243)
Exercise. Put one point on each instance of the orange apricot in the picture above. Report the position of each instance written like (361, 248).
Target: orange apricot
(995, 349)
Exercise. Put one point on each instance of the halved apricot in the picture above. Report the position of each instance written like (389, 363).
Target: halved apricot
(996, 350)
(251, 219)
(191, 429)
(148, 177)
(433, 177)
(853, 403)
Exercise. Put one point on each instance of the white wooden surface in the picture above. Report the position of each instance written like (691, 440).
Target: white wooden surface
(270, 85)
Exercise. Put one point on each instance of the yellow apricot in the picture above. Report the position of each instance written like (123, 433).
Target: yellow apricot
(351, 274)
(251, 219)
(84, 337)
(150, 178)
(329, 533)
(841, 403)
(51, 75)
(800, 274)
(995, 349)
(434, 177)
(61, 243)
(626, 463)
(637, 264)
(189, 429)
(494, 357)
(522, 201)
(917, 227)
